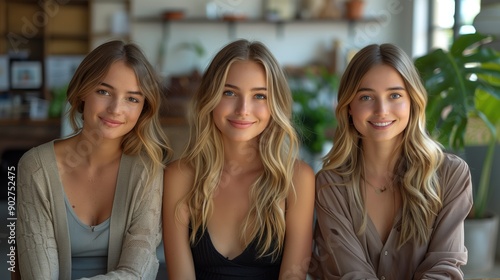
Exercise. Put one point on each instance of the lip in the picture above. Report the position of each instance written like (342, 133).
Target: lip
(240, 124)
(111, 122)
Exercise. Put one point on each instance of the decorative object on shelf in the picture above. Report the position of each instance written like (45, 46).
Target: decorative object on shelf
(354, 9)
(311, 8)
(26, 74)
(280, 9)
(173, 14)
(234, 17)
(330, 10)
(461, 84)
(211, 10)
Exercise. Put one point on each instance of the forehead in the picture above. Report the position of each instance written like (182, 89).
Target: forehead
(246, 70)
(382, 75)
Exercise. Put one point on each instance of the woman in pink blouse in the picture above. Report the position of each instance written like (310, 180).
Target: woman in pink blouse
(390, 204)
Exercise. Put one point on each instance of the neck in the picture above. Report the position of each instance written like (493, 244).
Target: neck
(96, 151)
(245, 155)
(379, 158)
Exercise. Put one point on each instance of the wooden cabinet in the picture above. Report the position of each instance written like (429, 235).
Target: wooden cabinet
(33, 29)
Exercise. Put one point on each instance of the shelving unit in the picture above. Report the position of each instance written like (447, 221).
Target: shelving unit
(32, 30)
(231, 24)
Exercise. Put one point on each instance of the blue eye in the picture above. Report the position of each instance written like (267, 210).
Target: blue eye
(228, 93)
(395, 95)
(102, 92)
(365, 98)
(260, 96)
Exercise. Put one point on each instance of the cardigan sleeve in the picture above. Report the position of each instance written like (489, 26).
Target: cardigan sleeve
(36, 242)
(142, 234)
(446, 251)
(338, 252)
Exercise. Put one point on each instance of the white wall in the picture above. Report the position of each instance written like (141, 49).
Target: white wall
(296, 44)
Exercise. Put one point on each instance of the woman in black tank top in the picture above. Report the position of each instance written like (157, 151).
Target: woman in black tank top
(239, 203)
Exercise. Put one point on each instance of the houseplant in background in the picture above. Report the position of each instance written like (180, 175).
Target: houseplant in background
(464, 84)
(313, 94)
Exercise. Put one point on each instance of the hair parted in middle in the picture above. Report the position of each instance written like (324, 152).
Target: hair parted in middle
(278, 147)
(418, 155)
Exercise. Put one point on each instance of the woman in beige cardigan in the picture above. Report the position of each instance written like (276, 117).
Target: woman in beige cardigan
(90, 205)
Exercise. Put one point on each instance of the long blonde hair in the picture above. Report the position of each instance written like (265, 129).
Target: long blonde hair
(419, 158)
(147, 136)
(277, 149)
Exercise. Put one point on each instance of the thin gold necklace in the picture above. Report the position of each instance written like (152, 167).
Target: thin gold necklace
(377, 190)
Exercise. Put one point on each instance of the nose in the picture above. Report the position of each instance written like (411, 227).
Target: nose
(114, 106)
(381, 107)
(242, 106)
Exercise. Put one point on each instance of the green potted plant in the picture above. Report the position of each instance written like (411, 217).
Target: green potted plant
(313, 112)
(464, 83)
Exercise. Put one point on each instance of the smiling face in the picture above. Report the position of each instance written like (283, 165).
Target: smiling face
(380, 109)
(115, 105)
(243, 113)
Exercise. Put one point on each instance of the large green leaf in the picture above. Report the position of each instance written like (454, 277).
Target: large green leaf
(451, 80)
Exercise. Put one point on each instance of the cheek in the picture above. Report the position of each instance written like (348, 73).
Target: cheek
(264, 113)
(404, 110)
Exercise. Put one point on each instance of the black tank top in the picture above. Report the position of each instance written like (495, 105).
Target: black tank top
(209, 264)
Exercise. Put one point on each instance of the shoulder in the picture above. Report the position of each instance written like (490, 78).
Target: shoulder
(179, 168)
(303, 178)
(453, 164)
(178, 176)
(31, 160)
(330, 185)
(328, 179)
(303, 172)
(454, 175)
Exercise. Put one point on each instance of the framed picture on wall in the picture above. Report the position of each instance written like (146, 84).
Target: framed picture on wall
(26, 74)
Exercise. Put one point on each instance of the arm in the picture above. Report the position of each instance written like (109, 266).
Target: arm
(37, 246)
(446, 251)
(338, 251)
(177, 183)
(299, 220)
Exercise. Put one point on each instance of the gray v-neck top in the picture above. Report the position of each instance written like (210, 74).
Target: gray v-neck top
(89, 245)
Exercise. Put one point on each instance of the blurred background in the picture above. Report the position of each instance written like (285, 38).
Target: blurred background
(43, 41)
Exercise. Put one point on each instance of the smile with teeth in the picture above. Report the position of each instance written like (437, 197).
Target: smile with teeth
(381, 124)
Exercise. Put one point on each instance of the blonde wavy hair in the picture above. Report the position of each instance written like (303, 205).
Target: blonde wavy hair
(147, 137)
(419, 156)
(277, 149)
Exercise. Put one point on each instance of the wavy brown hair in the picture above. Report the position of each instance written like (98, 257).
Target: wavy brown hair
(277, 149)
(419, 156)
(147, 136)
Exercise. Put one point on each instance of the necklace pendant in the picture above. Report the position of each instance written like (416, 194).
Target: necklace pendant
(379, 191)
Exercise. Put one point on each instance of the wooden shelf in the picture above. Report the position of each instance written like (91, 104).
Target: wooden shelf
(153, 19)
(231, 23)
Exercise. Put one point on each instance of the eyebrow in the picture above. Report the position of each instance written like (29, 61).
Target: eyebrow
(388, 89)
(111, 87)
(253, 89)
